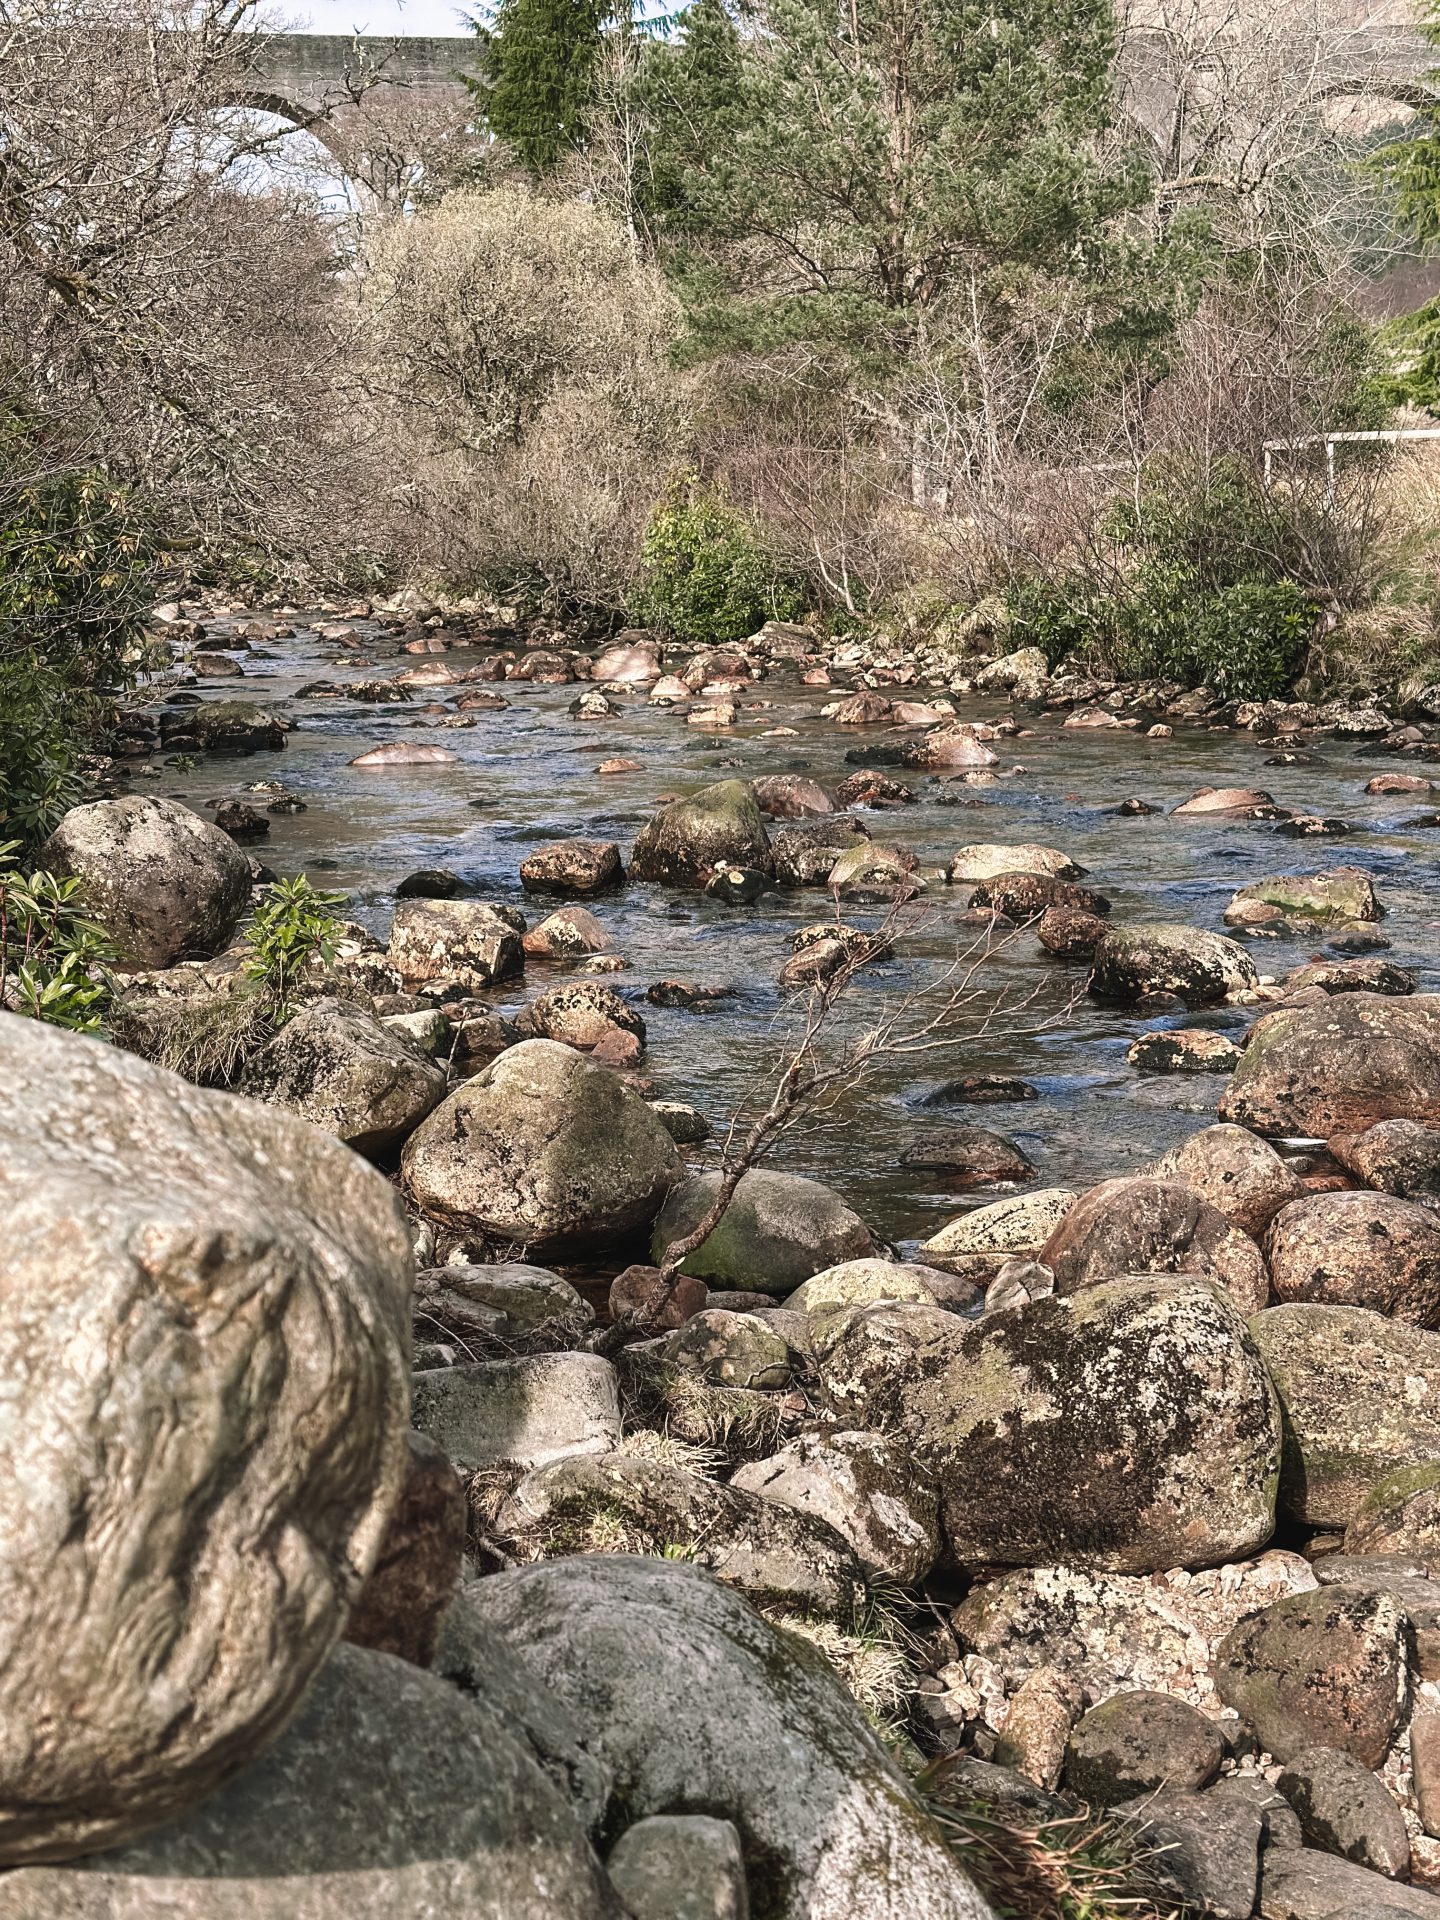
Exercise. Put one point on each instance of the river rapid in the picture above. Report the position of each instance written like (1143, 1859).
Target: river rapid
(527, 775)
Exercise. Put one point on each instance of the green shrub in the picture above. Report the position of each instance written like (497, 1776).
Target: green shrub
(706, 577)
(77, 573)
(1206, 589)
(54, 961)
(294, 927)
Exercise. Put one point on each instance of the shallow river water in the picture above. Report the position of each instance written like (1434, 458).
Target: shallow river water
(526, 775)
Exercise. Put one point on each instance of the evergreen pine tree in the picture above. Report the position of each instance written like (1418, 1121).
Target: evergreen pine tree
(536, 72)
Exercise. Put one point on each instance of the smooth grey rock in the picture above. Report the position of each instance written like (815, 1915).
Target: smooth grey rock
(545, 1149)
(677, 1866)
(525, 1298)
(528, 1411)
(1207, 1849)
(868, 1488)
(392, 1795)
(729, 1350)
(1306, 1885)
(650, 1657)
(777, 1231)
(338, 1067)
(1343, 1808)
(165, 884)
(204, 1339)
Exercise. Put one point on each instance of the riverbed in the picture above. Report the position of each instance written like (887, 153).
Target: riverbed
(527, 775)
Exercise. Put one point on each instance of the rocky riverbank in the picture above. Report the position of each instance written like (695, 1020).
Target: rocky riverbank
(765, 1586)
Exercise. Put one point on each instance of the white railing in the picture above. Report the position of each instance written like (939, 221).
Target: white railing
(1331, 440)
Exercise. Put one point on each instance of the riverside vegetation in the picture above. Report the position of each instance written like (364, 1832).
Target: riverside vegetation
(720, 1200)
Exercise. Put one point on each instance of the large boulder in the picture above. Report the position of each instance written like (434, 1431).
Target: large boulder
(1339, 1067)
(649, 1658)
(392, 1795)
(685, 841)
(1239, 1174)
(1361, 1399)
(336, 1066)
(1395, 1156)
(204, 1337)
(1043, 1449)
(1341, 895)
(164, 884)
(461, 940)
(777, 1231)
(1199, 967)
(1359, 1250)
(544, 1149)
(1153, 1226)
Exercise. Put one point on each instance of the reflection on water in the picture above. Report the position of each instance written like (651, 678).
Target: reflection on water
(527, 775)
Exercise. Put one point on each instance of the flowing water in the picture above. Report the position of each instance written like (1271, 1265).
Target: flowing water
(527, 775)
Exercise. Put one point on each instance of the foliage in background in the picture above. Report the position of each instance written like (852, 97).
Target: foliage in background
(77, 572)
(705, 575)
(293, 931)
(54, 961)
(1202, 588)
(535, 75)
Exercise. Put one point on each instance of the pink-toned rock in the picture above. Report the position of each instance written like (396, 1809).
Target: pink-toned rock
(640, 1295)
(620, 766)
(791, 796)
(954, 745)
(668, 690)
(566, 934)
(404, 753)
(920, 713)
(434, 673)
(1228, 800)
(627, 665)
(862, 710)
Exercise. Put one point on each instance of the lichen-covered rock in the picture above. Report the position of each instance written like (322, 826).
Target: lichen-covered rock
(649, 1658)
(238, 726)
(567, 934)
(1365, 975)
(1342, 895)
(805, 854)
(1400, 1515)
(1197, 966)
(1138, 1742)
(778, 1556)
(204, 1334)
(165, 884)
(680, 1866)
(524, 1412)
(854, 1282)
(868, 1488)
(1339, 1067)
(1322, 1669)
(777, 1231)
(544, 1149)
(573, 866)
(1070, 933)
(518, 1299)
(1396, 1156)
(461, 940)
(1110, 1632)
(976, 1245)
(1183, 1050)
(1037, 1725)
(869, 873)
(1043, 1450)
(1361, 1398)
(581, 1014)
(1239, 1174)
(729, 1350)
(685, 841)
(338, 1067)
(1153, 1226)
(1358, 1250)
(392, 1794)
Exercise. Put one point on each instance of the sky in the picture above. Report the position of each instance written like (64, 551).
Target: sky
(376, 16)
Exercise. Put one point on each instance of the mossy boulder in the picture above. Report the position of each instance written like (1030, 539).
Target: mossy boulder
(238, 726)
(854, 1282)
(1138, 1742)
(777, 1231)
(1361, 1399)
(1400, 1514)
(1342, 895)
(1043, 1445)
(543, 1149)
(1197, 966)
(1339, 1067)
(685, 841)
